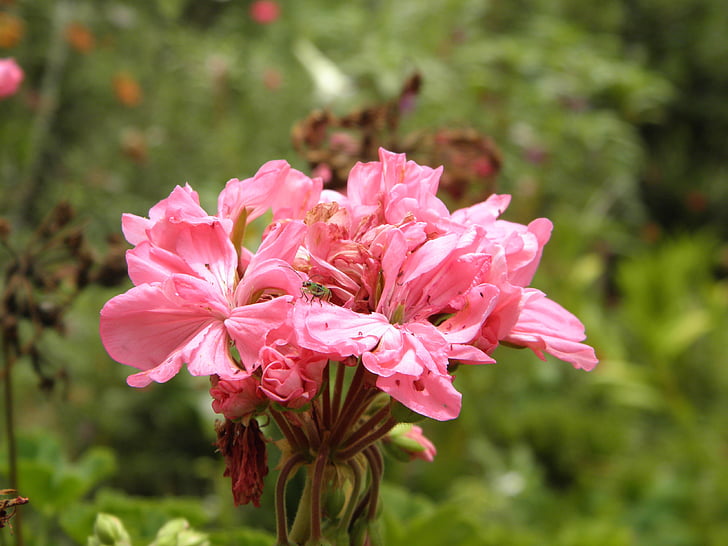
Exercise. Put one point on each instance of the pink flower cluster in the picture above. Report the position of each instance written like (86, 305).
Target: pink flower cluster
(383, 277)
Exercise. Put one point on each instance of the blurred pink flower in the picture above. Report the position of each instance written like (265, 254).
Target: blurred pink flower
(264, 12)
(11, 76)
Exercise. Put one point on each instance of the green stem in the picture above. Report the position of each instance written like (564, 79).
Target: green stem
(354, 497)
(302, 523)
(281, 517)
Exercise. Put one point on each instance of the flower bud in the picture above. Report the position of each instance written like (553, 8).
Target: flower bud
(236, 400)
(109, 530)
(177, 532)
(290, 377)
(407, 442)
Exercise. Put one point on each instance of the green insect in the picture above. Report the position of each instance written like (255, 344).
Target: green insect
(311, 290)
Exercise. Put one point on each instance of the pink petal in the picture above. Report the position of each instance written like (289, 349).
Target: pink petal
(296, 195)
(183, 204)
(252, 195)
(524, 247)
(335, 331)
(467, 322)
(249, 325)
(467, 354)
(135, 228)
(147, 263)
(483, 214)
(432, 395)
(151, 328)
(209, 252)
(544, 325)
(271, 276)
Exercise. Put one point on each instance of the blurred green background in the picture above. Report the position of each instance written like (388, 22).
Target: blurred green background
(610, 119)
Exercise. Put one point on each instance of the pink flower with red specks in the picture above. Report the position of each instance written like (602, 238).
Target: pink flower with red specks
(383, 274)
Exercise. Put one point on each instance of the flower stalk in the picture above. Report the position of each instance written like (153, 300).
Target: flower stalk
(322, 450)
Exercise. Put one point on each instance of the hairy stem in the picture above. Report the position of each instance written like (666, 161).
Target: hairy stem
(365, 428)
(352, 407)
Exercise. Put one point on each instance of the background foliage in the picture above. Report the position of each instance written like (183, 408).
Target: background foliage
(610, 121)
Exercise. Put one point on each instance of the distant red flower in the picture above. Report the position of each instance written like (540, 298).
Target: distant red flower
(80, 37)
(127, 89)
(272, 79)
(264, 12)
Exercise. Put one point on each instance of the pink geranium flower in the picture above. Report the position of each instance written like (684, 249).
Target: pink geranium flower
(410, 287)
(188, 305)
(523, 316)
(418, 287)
(396, 340)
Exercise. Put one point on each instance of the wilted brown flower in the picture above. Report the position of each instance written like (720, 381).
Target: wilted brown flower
(246, 461)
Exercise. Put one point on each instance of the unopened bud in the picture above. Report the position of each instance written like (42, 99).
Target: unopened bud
(406, 442)
(177, 532)
(109, 530)
(333, 501)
